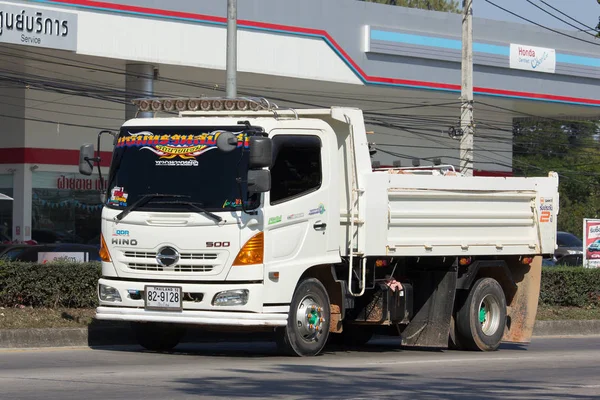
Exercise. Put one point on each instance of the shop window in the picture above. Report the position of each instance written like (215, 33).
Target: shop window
(66, 209)
(6, 207)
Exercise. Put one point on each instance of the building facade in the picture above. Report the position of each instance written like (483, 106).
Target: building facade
(69, 69)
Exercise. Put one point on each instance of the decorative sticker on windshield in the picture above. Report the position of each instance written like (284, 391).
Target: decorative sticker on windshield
(177, 150)
(118, 197)
(234, 204)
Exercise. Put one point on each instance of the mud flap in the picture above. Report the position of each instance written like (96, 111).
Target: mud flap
(522, 309)
(433, 302)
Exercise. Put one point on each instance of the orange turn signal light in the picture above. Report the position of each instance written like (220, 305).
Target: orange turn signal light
(104, 254)
(464, 261)
(527, 260)
(252, 252)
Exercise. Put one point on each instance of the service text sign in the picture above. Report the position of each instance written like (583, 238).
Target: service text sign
(591, 243)
(532, 58)
(38, 27)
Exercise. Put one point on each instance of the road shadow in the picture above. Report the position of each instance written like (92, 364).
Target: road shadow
(313, 381)
(117, 336)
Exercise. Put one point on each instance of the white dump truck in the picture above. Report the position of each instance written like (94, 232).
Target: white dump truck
(233, 213)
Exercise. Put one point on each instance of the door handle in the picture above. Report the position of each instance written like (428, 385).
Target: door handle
(319, 226)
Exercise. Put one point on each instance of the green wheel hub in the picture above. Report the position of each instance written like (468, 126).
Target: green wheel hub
(489, 314)
(482, 313)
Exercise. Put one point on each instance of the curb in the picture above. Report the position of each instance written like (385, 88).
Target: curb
(567, 328)
(120, 334)
(99, 334)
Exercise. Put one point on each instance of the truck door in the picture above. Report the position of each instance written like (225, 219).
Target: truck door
(299, 212)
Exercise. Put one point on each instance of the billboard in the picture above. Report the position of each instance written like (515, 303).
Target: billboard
(532, 58)
(591, 243)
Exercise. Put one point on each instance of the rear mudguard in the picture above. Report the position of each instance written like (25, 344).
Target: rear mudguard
(433, 304)
(522, 310)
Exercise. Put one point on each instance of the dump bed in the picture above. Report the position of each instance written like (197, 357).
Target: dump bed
(418, 213)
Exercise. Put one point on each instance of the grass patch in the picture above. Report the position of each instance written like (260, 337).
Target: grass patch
(18, 318)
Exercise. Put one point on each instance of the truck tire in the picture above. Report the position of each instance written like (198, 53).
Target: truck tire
(481, 320)
(307, 327)
(156, 336)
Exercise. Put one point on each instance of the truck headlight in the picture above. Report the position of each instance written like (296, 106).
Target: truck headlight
(231, 298)
(109, 293)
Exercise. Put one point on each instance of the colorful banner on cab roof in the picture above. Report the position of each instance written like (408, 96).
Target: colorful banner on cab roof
(591, 241)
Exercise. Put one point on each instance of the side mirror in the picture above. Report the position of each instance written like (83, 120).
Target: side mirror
(226, 142)
(259, 181)
(261, 155)
(86, 159)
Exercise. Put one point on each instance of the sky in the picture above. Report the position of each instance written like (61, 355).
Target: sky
(585, 11)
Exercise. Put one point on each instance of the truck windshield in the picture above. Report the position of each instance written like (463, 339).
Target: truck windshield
(179, 161)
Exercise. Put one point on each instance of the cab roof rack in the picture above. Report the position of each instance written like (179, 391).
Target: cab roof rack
(181, 104)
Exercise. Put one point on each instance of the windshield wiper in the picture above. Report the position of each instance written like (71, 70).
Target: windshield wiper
(195, 206)
(143, 200)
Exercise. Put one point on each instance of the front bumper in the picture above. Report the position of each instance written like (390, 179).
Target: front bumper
(223, 318)
(200, 312)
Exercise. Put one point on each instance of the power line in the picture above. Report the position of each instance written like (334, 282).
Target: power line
(560, 19)
(55, 122)
(571, 18)
(540, 25)
(108, 93)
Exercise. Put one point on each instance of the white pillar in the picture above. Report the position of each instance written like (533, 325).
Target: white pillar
(22, 202)
(12, 132)
(139, 82)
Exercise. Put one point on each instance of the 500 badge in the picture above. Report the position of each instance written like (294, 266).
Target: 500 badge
(218, 244)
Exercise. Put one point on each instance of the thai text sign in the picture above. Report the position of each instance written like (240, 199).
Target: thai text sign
(39, 27)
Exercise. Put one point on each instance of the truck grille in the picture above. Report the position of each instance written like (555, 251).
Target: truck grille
(182, 256)
(176, 268)
(146, 261)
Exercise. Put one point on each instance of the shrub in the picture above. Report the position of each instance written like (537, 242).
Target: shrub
(73, 285)
(55, 284)
(570, 286)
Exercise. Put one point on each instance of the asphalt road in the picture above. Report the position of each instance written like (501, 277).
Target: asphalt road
(557, 368)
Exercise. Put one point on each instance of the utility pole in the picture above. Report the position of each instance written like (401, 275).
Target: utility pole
(231, 66)
(466, 109)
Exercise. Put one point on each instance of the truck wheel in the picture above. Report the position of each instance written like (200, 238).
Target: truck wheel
(481, 320)
(307, 328)
(157, 336)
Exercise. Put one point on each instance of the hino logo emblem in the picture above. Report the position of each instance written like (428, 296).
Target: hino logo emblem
(167, 256)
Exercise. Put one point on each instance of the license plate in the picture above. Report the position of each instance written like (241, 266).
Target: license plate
(165, 298)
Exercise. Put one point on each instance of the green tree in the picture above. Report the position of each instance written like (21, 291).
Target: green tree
(571, 149)
(436, 5)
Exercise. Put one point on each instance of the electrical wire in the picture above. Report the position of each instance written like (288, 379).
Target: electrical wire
(560, 19)
(56, 122)
(540, 25)
(107, 93)
(571, 18)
